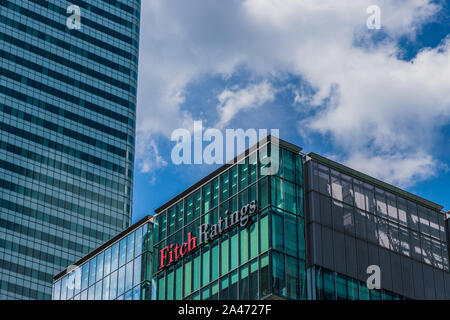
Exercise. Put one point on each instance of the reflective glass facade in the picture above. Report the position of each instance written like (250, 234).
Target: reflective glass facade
(67, 124)
(318, 226)
(264, 259)
(119, 270)
(355, 221)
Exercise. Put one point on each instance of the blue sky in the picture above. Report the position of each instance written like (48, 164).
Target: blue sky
(376, 100)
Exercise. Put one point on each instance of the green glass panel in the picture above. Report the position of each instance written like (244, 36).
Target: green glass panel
(180, 214)
(277, 192)
(253, 280)
(254, 238)
(243, 174)
(234, 180)
(288, 165)
(223, 295)
(205, 265)
(234, 277)
(161, 288)
(197, 204)
(179, 282)
(290, 203)
(301, 238)
(187, 277)
(170, 284)
(215, 192)
(172, 219)
(291, 234)
(375, 295)
(207, 197)
(299, 170)
(215, 260)
(264, 233)
(206, 293)
(278, 274)
(277, 232)
(225, 185)
(253, 167)
(264, 192)
(244, 245)
(215, 288)
(197, 271)
(341, 287)
(299, 198)
(363, 292)
(292, 279)
(224, 250)
(264, 281)
(302, 280)
(189, 209)
(328, 285)
(352, 289)
(234, 249)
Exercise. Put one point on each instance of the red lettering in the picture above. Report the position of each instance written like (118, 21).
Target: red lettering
(183, 249)
(163, 254)
(191, 242)
(173, 253)
(176, 251)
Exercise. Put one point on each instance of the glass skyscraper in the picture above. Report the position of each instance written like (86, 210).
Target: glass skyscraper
(67, 123)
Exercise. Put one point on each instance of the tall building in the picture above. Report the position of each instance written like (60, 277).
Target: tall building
(67, 125)
(311, 231)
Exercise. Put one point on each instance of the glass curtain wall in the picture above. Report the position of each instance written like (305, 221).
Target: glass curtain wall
(245, 263)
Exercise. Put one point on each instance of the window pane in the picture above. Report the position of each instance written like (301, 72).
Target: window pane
(264, 281)
(243, 238)
(170, 284)
(254, 238)
(121, 281)
(292, 279)
(264, 233)
(130, 247)
(205, 265)
(100, 266)
(122, 251)
(253, 280)
(129, 276)
(215, 260)
(179, 282)
(115, 257)
(106, 288)
(224, 256)
(291, 234)
(278, 275)
(277, 232)
(92, 271)
(187, 277)
(107, 267)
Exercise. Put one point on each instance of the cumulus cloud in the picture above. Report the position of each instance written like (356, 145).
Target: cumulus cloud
(231, 102)
(365, 98)
(153, 160)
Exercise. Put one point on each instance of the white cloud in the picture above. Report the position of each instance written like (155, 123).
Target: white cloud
(402, 171)
(231, 102)
(152, 160)
(376, 104)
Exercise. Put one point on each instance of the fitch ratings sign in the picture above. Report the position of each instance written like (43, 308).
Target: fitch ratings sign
(208, 232)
